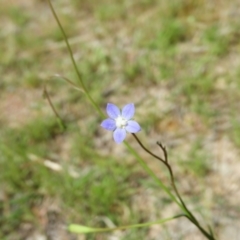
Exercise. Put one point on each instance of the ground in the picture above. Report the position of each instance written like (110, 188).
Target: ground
(177, 61)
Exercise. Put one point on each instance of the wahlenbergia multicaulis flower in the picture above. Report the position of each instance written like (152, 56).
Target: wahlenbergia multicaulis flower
(120, 122)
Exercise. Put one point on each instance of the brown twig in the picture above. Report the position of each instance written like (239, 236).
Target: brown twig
(163, 148)
(45, 93)
(149, 152)
(191, 217)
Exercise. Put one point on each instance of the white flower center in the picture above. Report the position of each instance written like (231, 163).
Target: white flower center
(121, 122)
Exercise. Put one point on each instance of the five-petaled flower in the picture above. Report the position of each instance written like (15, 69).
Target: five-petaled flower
(120, 122)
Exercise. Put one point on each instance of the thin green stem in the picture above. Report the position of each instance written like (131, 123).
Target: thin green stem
(73, 60)
(153, 175)
(82, 229)
(68, 81)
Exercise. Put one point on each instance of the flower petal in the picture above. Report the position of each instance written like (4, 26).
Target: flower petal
(133, 127)
(128, 111)
(112, 110)
(109, 124)
(119, 135)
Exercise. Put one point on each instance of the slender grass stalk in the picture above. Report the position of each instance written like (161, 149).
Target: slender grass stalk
(68, 81)
(153, 175)
(82, 229)
(73, 60)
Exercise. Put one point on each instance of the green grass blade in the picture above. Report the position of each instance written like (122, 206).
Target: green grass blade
(75, 228)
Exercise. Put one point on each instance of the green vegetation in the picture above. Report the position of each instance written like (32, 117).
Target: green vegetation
(126, 51)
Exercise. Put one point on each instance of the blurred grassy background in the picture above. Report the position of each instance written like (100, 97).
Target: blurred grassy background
(177, 60)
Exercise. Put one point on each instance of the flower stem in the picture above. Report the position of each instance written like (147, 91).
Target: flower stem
(141, 161)
(73, 60)
(96, 106)
(153, 175)
(183, 206)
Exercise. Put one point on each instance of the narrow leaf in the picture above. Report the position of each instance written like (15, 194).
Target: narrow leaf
(82, 229)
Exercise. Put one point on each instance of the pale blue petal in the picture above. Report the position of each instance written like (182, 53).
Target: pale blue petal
(128, 111)
(133, 127)
(119, 135)
(112, 110)
(109, 124)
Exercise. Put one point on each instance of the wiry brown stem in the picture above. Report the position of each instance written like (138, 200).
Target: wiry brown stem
(46, 95)
(164, 160)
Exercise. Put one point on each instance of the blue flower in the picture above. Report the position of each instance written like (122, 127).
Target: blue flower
(120, 122)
